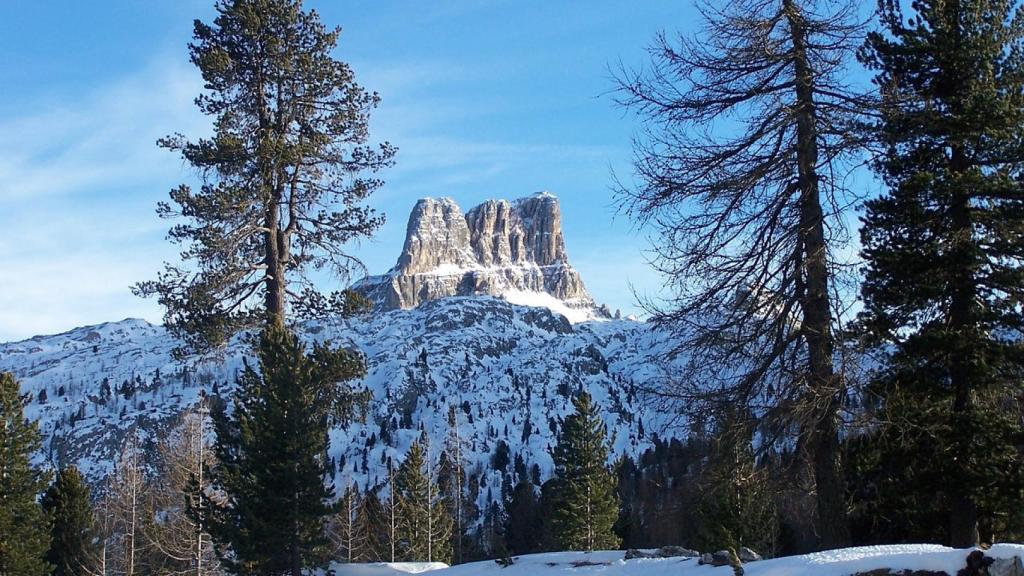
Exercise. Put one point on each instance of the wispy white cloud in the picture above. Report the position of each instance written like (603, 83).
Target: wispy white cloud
(102, 139)
(78, 183)
(83, 287)
(432, 165)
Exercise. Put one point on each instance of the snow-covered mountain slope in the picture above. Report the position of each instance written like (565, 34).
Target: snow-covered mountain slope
(510, 370)
(866, 560)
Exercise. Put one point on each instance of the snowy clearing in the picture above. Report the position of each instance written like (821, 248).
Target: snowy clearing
(843, 562)
(387, 568)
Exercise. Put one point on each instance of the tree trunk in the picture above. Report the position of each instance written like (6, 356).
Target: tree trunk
(200, 451)
(963, 512)
(963, 520)
(392, 521)
(295, 556)
(822, 430)
(271, 190)
(275, 274)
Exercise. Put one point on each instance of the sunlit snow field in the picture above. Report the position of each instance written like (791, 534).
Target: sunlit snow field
(841, 562)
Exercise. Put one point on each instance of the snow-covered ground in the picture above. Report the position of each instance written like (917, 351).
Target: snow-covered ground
(387, 568)
(843, 562)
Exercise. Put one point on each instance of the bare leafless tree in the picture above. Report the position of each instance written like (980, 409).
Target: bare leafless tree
(742, 167)
(178, 536)
(127, 511)
(103, 528)
(391, 511)
(452, 482)
(347, 536)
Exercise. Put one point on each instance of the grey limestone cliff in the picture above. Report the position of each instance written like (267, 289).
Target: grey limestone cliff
(496, 248)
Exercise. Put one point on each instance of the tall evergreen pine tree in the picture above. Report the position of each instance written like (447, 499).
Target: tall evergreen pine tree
(271, 454)
(735, 506)
(411, 488)
(24, 527)
(944, 247)
(71, 538)
(283, 177)
(523, 522)
(425, 521)
(587, 505)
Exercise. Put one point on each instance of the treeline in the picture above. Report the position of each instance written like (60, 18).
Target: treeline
(716, 490)
(184, 511)
(142, 520)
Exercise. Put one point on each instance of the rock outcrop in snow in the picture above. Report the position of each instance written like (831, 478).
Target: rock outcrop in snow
(497, 248)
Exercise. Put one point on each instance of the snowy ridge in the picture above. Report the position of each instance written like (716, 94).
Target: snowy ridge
(510, 370)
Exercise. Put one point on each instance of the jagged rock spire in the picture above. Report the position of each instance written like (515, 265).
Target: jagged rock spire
(497, 248)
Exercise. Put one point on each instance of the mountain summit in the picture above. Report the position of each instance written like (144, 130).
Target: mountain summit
(514, 250)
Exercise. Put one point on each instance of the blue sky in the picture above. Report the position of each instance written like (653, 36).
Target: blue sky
(485, 99)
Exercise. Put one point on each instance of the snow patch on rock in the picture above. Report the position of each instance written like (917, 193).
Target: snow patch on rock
(545, 300)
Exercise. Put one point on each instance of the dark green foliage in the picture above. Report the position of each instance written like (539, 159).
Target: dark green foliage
(659, 494)
(411, 486)
(284, 175)
(523, 523)
(271, 454)
(492, 531)
(897, 476)
(24, 526)
(67, 504)
(944, 248)
(892, 489)
(500, 457)
(425, 521)
(735, 505)
(631, 511)
(586, 503)
(548, 505)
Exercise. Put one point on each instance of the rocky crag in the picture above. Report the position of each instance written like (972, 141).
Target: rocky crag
(498, 248)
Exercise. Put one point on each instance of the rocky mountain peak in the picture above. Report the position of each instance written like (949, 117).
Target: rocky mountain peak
(436, 235)
(498, 248)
